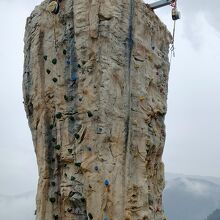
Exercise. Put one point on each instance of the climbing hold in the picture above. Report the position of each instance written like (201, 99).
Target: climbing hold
(55, 217)
(53, 7)
(74, 77)
(79, 66)
(69, 210)
(66, 97)
(54, 61)
(55, 79)
(64, 52)
(72, 178)
(107, 182)
(70, 151)
(53, 183)
(99, 130)
(90, 216)
(58, 115)
(45, 57)
(72, 118)
(68, 62)
(89, 114)
(48, 71)
(77, 136)
(54, 139)
(89, 148)
(78, 164)
(51, 126)
(96, 168)
(141, 98)
(106, 218)
(153, 47)
(57, 147)
(83, 199)
(52, 199)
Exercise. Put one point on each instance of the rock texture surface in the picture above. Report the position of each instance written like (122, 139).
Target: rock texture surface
(95, 90)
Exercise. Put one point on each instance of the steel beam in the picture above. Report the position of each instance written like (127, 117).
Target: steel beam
(160, 4)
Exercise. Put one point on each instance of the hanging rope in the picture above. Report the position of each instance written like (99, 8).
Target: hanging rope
(172, 48)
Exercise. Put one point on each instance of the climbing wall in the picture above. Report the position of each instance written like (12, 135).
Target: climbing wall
(95, 89)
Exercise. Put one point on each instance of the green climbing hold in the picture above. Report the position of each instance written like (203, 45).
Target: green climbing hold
(57, 147)
(55, 79)
(45, 57)
(90, 216)
(72, 118)
(89, 114)
(58, 115)
(70, 151)
(72, 178)
(54, 61)
(66, 97)
(55, 217)
(78, 164)
(77, 136)
(52, 199)
(69, 210)
(48, 71)
(83, 200)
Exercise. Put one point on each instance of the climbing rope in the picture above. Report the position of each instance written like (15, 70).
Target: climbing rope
(175, 17)
(172, 48)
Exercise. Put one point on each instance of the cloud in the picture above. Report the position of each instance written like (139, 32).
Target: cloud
(18, 207)
(195, 14)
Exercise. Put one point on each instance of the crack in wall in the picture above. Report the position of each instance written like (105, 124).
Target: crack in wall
(127, 173)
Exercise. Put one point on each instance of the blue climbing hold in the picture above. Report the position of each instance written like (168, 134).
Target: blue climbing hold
(106, 182)
(106, 218)
(74, 77)
(68, 62)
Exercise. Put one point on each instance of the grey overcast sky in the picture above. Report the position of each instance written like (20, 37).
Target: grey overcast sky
(193, 120)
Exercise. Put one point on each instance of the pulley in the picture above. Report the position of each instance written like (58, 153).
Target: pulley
(175, 14)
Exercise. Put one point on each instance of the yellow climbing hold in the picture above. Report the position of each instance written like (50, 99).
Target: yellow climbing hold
(52, 6)
(141, 98)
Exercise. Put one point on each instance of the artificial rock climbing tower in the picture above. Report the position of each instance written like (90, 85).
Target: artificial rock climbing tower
(95, 90)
